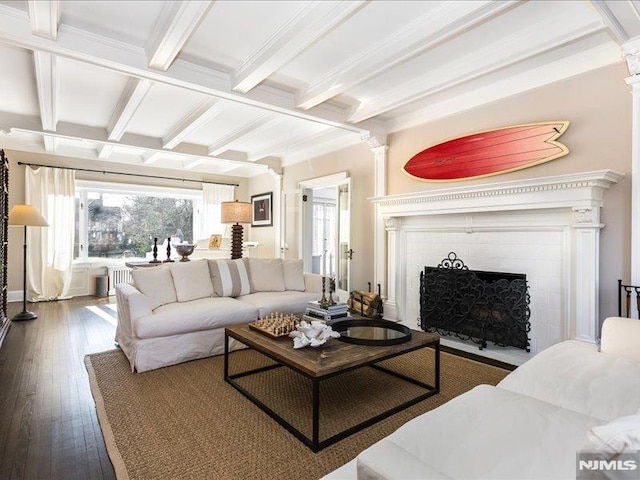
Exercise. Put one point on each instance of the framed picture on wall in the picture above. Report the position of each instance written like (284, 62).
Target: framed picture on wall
(262, 210)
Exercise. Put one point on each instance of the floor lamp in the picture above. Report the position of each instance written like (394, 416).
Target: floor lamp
(236, 213)
(25, 216)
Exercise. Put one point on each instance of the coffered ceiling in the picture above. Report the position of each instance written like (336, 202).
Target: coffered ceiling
(227, 86)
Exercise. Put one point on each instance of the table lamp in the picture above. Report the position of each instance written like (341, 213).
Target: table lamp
(25, 216)
(236, 213)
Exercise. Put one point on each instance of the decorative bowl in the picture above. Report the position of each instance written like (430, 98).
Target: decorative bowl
(184, 250)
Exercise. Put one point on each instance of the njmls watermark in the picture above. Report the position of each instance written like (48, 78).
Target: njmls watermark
(593, 466)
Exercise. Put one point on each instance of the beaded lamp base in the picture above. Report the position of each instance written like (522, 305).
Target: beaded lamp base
(236, 241)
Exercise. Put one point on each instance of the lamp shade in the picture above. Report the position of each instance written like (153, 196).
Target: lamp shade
(235, 212)
(26, 215)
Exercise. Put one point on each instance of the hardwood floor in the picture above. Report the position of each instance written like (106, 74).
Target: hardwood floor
(48, 423)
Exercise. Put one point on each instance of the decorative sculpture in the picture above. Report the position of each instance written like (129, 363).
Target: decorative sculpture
(168, 250)
(155, 251)
(314, 334)
(332, 288)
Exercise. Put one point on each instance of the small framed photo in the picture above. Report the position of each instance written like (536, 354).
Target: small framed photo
(262, 210)
(215, 241)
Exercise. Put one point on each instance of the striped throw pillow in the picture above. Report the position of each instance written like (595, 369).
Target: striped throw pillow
(229, 277)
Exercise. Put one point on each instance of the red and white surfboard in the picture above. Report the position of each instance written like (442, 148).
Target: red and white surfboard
(489, 153)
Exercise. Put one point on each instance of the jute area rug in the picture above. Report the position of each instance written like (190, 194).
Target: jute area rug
(186, 422)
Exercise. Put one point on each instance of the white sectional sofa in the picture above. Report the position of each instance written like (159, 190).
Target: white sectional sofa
(177, 312)
(569, 398)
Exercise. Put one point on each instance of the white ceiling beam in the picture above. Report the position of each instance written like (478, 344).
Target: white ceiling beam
(227, 168)
(319, 146)
(105, 151)
(69, 131)
(559, 64)
(310, 23)
(614, 21)
(445, 22)
(193, 163)
(200, 116)
(45, 17)
(287, 143)
(47, 86)
(522, 45)
(224, 142)
(130, 100)
(177, 22)
(50, 143)
(120, 57)
(150, 157)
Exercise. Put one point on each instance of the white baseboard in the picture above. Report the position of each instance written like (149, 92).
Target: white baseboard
(14, 296)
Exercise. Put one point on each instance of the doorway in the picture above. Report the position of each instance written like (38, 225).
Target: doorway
(317, 218)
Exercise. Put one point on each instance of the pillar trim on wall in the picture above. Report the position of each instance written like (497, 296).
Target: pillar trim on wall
(379, 148)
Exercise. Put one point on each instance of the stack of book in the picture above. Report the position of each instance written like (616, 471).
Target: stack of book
(330, 313)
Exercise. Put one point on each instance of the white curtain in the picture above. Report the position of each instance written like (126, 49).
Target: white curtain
(212, 196)
(50, 249)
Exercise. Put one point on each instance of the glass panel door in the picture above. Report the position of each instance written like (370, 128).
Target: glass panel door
(343, 225)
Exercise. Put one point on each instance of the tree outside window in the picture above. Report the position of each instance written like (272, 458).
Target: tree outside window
(124, 226)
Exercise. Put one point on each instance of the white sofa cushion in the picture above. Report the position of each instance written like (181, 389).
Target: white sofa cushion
(202, 314)
(293, 274)
(621, 435)
(155, 283)
(620, 337)
(266, 275)
(191, 280)
(575, 375)
(281, 302)
(491, 433)
(230, 277)
(387, 461)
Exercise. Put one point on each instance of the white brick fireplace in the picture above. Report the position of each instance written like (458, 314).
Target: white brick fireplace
(547, 228)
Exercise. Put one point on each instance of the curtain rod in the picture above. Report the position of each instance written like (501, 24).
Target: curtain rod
(127, 174)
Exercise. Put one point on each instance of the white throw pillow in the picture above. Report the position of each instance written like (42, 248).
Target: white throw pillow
(191, 280)
(621, 435)
(266, 275)
(293, 275)
(155, 283)
(230, 277)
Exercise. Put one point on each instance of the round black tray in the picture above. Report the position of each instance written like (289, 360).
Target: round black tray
(396, 332)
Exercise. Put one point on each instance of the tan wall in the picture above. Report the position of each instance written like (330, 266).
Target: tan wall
(16, 191)
(358, 161)
(598, 105)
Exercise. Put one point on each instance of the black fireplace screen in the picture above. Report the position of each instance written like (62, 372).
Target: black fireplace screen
(475, 305)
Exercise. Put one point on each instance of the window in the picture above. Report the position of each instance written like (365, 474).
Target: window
(120, 221)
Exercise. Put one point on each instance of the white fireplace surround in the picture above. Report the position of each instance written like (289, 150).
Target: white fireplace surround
(547, 228)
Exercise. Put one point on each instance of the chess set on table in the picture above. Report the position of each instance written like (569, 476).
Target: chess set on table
(276, 325)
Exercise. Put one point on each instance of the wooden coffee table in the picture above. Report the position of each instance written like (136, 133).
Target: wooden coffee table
(317, 364)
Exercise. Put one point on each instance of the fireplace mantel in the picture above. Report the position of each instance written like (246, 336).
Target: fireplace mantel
(564, 209)
(577, 191)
